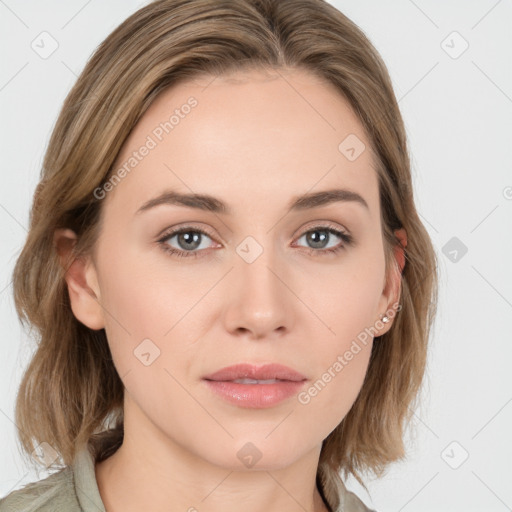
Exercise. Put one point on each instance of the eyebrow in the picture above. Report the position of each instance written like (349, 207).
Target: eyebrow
(212, 204)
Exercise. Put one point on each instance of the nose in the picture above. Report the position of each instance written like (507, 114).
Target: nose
(259, 301)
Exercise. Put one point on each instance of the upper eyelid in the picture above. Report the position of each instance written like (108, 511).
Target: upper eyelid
(323, 224)
(167, 232)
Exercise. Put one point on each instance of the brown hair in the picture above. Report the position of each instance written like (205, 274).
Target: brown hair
(70, 394)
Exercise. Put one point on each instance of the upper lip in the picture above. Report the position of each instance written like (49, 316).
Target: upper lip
(251, 371)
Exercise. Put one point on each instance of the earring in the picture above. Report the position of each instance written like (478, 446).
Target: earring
(385, 319)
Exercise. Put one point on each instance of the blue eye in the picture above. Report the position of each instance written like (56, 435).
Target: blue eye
(190, 239)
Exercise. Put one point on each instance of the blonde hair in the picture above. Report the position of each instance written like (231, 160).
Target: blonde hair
(70, 394)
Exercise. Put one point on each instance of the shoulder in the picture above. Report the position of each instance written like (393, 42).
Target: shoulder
(71, 489)
(354, 504)
(55, 492)
(350, 502)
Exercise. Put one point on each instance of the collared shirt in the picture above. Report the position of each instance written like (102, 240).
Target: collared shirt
(75, 489)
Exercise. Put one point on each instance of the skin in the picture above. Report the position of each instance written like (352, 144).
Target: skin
(254, 142)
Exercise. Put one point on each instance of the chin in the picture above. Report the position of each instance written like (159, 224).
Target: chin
(249, 454)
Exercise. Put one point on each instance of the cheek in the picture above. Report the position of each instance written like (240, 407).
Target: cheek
(334, 389)
(151, 313)
(346, 300)
(136, 293)
(346, 297)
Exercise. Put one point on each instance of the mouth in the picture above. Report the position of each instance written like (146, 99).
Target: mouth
(255, 387)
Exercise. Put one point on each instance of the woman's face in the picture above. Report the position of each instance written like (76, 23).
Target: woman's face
(251, 279)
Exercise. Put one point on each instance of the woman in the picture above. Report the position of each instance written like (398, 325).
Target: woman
(231, 284)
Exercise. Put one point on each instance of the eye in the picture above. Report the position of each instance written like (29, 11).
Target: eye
(320, 236)
(191, 242)
(187, 238)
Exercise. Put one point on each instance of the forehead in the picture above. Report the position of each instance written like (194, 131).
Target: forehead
(248, 137)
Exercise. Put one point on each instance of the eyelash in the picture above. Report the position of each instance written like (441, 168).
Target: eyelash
(347, 239)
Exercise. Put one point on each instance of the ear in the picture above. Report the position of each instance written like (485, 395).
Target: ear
(81, 278)
(393, 282)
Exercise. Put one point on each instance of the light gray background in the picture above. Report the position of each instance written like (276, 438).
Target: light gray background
(458, 114)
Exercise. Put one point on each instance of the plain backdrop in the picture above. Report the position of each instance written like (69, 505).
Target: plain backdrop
(451, 66)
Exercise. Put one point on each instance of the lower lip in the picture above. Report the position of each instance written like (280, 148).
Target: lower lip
(255, 396)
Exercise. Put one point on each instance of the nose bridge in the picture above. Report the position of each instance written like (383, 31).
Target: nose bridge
(259, 279)
(260, 299)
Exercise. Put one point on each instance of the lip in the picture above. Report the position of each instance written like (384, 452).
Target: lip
(255, 396)
(251, 371)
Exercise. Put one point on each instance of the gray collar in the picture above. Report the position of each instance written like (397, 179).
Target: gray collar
(86, 486)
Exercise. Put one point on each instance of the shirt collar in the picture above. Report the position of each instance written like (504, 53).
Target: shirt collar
(86, 486)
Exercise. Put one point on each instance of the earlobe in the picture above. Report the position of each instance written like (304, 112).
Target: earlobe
(81, 279)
